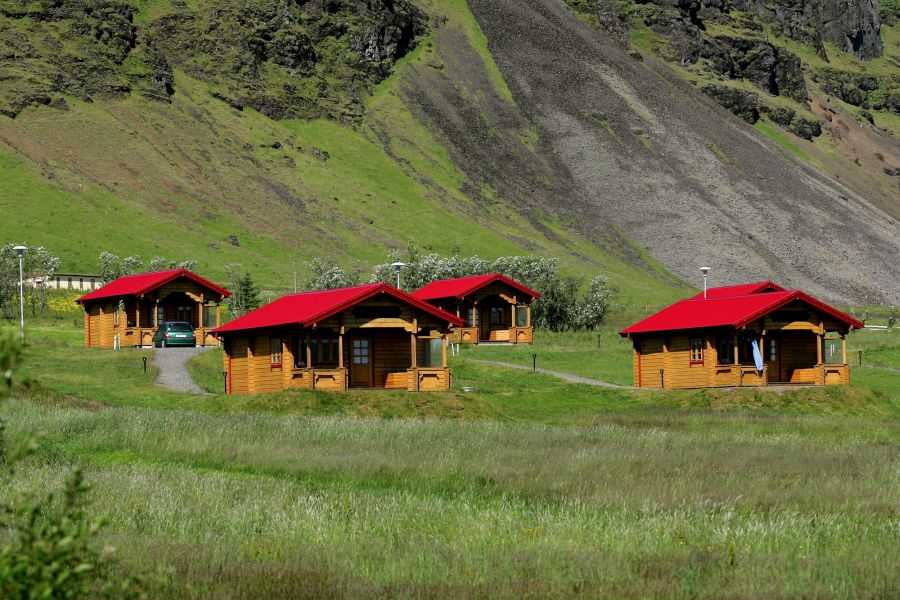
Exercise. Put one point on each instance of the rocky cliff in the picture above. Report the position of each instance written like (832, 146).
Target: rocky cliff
(283, 57)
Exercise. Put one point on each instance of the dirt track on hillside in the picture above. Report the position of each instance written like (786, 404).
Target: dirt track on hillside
(622, 145)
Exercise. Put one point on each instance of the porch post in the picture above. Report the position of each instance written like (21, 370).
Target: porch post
(444, 351)
(218, 315)
(308, 354)
(341, 348)
(155, 313)
(412, 339)
(818, 348)
(737, 362)
(137, 322)
(476, 321)
(762, 352)
(843, 350)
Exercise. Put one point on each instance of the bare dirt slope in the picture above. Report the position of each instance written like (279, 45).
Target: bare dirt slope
(623, 146)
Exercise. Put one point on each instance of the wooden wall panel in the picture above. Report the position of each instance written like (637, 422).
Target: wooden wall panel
(651, 362)
(264, 378)
(679, 372)
(392, 354)
(240, 365)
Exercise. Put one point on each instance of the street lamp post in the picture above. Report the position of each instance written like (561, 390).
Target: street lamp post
(705, 272)
(397, 267)
(20, 250)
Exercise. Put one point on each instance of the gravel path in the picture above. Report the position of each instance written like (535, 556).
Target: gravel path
(559, 374)
(172, 371)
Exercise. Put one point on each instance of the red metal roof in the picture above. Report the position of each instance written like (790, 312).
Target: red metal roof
(306, 308)
(743, 289)
(728, 311)
(463, 286)
(138, 285)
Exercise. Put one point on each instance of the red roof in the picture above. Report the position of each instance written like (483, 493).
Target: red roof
(728, 311)
(463, 286)
(743, 289)
(307, 308)
(138, 285)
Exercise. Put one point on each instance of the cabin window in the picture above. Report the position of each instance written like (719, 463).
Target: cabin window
(745, 351)
(831, 350)
(522, 316)
(322, 349)
(497, 316)
(725, 350)
(772, 353)
(184, 313)
(360, 352)
(474, 319)
(431, 355)
(209, 315)
(298, 349)
(696, 351)
(160, 315)
(275, 353)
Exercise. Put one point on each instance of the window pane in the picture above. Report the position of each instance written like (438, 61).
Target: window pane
(831, 352)
(434, 353)
(521, 316)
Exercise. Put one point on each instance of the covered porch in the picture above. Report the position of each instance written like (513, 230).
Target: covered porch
(361, 358)
(143, 315)
(811, 356)
(494, 318)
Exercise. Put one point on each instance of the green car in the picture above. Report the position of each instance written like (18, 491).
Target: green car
(174, 333)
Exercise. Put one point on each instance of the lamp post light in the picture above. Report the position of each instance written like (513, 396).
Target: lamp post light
(705, 271)
(20, 250)
(397, 267)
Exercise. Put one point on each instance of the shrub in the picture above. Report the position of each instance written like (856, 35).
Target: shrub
(560, 307)
(50, 549)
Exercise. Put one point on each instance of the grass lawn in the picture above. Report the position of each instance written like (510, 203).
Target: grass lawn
(527, 486)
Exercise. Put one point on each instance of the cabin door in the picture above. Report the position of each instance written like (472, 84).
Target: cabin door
(361, 365)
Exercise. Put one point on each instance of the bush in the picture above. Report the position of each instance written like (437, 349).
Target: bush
(50, 547)
(560, 307)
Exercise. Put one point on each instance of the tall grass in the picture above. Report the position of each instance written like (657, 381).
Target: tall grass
(700, 507)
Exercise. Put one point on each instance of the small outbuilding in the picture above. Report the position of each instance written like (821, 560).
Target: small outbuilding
(125, 312)
(746, 335)
(494, 307)
(368, 336)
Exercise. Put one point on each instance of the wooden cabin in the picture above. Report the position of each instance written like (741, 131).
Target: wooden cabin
(746, 335)
(494, 307)
(370, 336)
(126, 312)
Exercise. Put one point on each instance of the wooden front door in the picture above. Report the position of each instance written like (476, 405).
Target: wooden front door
(361, 365)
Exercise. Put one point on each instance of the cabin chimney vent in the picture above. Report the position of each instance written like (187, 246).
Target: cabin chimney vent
(705, 271)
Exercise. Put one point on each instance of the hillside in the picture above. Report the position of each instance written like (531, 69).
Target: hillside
(270, 132)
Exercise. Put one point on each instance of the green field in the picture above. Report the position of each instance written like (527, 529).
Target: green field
(527, 486)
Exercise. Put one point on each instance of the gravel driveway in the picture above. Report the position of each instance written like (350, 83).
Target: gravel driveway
(171, 368)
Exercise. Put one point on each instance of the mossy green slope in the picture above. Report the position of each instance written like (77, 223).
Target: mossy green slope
(198, 178)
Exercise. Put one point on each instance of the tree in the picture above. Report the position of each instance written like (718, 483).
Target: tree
(158, 263)
(248, 292)
(326, 275)
(560, 307)
(39, 263)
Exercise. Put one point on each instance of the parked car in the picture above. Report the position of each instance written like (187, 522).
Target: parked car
(174, 333)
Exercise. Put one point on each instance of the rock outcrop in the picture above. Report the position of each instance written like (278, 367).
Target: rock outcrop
(304, 58)
(771, 68)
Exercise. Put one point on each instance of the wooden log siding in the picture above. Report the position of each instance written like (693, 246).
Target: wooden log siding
(139, 320)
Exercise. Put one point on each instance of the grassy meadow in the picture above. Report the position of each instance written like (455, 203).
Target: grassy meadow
(526, 487)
